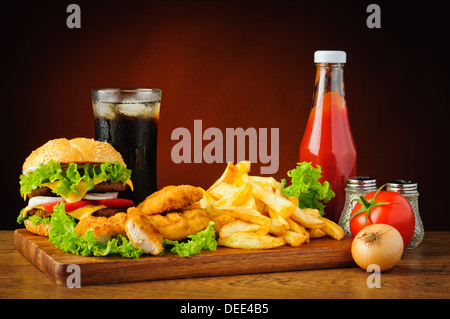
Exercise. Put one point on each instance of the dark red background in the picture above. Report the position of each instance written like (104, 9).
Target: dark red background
(232, 64)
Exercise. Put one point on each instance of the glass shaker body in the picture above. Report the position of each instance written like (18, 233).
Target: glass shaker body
(409, 190)
(356, 186)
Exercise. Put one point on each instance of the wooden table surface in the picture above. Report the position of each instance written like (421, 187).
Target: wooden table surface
(422, 273)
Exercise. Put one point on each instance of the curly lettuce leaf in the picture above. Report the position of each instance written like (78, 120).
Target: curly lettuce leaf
(62, 234)
(35, 219)
(20, 218)
(306, 187)
(205, 239)
(71, 175)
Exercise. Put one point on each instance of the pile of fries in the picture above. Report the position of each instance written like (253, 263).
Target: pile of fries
(250, 212)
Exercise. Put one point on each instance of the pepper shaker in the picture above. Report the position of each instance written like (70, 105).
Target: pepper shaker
(409, 190)
(356, 185)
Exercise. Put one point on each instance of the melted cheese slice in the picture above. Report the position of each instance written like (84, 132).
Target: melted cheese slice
(85, 211)
(76, 213)
(130, 183)
(81, 187)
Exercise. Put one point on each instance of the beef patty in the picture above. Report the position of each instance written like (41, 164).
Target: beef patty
(104, 212)
(102, 187)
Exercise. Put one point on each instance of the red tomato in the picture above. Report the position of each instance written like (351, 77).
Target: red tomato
(116, 202)
(68, 206)
(397, 212)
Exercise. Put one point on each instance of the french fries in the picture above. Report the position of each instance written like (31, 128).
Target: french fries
(307, 218)
(251, 213)
(332, 229)
(236, 226)
(248, 240)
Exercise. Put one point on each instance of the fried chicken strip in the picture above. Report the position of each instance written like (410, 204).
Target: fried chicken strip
(178, 225)
(104, 227)
(171, 198)
(144, 225)
(142, 233)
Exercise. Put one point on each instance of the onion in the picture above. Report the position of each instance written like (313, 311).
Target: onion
(95, 196)
(39, 200)
(378, 244)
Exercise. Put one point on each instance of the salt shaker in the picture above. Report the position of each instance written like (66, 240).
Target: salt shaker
(409, 190)
(356, 185)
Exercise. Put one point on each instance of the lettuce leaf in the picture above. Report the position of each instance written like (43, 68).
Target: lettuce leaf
(71, 175)
(20, 218)
(62, 234)
(306, 186)
(35, 219)
(205, 239)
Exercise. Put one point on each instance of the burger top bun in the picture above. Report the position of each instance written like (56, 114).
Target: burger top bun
(78, 150)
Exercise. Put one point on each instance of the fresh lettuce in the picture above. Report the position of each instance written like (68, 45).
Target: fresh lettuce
(71, 175)
(306, 186)
(62, 234)
(35, 219)
(205, 239)
(20, 218)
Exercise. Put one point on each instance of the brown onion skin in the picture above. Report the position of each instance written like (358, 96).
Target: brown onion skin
(378, 244)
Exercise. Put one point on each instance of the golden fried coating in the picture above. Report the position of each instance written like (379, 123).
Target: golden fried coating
(179, 225)
(104, 227)
(38, 229)
(171, 198)
(142, 233)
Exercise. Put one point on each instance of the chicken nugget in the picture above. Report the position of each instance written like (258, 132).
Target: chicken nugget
(181, 224)
(142, 233)
(171, 198)
(104, 227)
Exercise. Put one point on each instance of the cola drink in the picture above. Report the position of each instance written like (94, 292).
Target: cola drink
(129, 122)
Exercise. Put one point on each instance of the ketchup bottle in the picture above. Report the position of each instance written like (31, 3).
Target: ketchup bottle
(328, 140)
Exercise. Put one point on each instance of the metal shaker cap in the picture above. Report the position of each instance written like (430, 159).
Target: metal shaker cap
(402, 186)
(361, 183)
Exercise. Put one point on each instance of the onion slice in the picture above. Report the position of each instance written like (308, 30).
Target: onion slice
(99, 196)
(39, 200)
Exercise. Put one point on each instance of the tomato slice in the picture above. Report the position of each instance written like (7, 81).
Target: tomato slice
(68, 206)
(115, 202)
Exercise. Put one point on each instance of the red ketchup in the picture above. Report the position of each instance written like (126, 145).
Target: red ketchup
(328, 139)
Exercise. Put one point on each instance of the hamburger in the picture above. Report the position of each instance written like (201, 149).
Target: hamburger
(84, 174)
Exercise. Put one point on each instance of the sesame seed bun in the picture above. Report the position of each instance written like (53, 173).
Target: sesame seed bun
(78, 150)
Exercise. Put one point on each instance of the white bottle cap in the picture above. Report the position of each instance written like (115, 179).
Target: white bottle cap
(327, 56)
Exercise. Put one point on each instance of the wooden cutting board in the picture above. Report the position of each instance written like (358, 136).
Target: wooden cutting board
(317, 254)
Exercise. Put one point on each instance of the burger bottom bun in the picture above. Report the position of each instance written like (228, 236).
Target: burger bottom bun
(40, 229)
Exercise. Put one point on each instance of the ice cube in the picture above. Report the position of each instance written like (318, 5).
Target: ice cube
(105, 110)
(134, 109)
